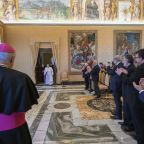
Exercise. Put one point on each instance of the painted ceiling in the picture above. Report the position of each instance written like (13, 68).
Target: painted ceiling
(72, 11)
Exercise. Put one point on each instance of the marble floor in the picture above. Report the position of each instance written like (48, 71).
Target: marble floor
(64, 117)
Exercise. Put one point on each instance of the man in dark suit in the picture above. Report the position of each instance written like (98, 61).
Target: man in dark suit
(141, 95)
(140, 88)
(125, 73)
(136, 105)
(116, 86)
(95, 77)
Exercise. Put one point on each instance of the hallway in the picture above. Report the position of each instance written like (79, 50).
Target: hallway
(63, 117)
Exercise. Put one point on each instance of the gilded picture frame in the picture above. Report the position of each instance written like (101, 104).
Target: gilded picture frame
(1, 33)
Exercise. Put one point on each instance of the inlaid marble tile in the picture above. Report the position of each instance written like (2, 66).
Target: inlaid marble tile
(61, 128)
(77, 124)
(65, 96)
(124, 138)
(88, 113)
(31, 114)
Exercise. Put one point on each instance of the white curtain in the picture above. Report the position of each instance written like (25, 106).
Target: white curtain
(1, 34)
(35, 51)
(53, 46)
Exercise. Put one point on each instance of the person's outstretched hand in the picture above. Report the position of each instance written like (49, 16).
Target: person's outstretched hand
(138, 87)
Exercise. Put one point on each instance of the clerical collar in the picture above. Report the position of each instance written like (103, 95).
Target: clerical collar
(3, 65)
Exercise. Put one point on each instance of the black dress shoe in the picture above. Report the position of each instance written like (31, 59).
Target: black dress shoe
(90, 91)
(122, 123)
(127, 129)
(97, 96)
(116, 118)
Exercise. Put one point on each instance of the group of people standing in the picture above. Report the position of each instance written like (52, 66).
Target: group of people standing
(127, 81)
(90, 71)
(127, 87)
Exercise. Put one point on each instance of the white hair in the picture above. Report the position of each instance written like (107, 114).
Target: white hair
(6, 57)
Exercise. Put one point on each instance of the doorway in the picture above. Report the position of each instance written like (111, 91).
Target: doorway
(44, 58)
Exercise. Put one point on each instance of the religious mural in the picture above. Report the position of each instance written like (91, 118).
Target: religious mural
(92, 9)
(110, 9)
(127, 42)
(44, 9)
(82, 47)
(76, 9)
(129, 10)
(67, 10)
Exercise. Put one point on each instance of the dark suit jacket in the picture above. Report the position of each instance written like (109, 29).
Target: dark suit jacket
(131, 68)
(116, 80)
(133, 94)
(95, 73)
(85, 73)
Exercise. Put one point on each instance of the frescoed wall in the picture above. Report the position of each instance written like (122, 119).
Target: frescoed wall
(72, 10)
(46, 9)
(8, 10)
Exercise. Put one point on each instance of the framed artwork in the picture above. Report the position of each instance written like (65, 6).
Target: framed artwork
(82, 47)
(127, 42)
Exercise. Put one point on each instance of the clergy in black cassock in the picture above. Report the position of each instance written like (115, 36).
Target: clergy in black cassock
(17, 95)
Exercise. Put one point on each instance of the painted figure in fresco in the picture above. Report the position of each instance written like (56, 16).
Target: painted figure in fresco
(113, 9)
(2, 8)
(137, 10)
(76, 10)
(107, 11)
(10, 11)
(132, 8)
(92, 10)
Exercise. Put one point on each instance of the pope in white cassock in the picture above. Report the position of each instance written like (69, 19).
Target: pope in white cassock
(48, 75)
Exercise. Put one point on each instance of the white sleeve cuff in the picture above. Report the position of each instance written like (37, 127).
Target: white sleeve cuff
(141, 91)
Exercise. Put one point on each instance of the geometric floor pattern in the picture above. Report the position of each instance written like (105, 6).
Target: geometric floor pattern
(63, 117)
